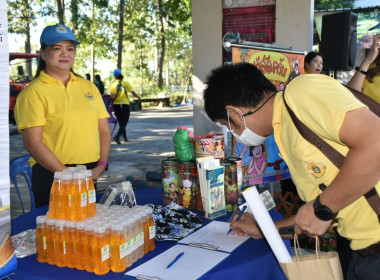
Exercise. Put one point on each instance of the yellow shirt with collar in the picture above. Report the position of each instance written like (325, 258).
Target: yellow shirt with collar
(69, 116)
(121, 97)
(321, 103)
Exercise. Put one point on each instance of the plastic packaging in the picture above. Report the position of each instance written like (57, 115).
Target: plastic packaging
(184, 144)
(119, 194)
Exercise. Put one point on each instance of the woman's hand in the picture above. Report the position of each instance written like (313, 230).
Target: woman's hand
(246, 226)
(374, 50)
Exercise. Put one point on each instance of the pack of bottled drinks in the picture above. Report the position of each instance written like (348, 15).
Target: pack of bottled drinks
(78, 233)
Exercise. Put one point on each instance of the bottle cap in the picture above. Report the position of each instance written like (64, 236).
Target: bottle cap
(41, 220)
(57, 174)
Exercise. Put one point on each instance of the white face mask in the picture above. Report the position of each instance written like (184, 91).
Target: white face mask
(247, 137)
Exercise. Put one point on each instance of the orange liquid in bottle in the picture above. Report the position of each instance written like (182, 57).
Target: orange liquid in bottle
(91, 194)
(60, 244)
(65, 196)
(50, 241)
(71, 255)
(89, 236)
(54, 202)
(100, 251)
(79, 245)
(118, 249)
(152, 230)
(78, 193)
(41, 244)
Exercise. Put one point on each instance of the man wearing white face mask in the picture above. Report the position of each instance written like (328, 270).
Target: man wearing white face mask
(240, 97)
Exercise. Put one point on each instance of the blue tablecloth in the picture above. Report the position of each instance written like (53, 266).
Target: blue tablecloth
(253, 260)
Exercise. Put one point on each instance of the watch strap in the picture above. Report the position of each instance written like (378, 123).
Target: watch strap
(357, 68)
(317, 205)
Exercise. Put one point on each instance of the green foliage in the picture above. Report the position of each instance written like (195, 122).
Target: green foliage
(332, 4)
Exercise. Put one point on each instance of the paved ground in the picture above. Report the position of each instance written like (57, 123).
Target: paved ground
(150, 133)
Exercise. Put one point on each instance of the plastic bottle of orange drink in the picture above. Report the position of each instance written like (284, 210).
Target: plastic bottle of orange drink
(145, 226)
(54, 205)
(50, 243)
(65, 196)
(60, 243)
(70, 233)
(79, 197)
(91, 194)
(89, 236)
(41, 245)
(79, 245)
(100, 250)
(152, 229)
(118, 248)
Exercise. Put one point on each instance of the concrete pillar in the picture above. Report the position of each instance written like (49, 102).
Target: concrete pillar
(294, 24)
(207, 54)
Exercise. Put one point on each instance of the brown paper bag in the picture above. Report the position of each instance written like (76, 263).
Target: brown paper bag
(318, 266)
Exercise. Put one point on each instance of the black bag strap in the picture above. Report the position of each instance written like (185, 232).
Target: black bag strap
(333, 155)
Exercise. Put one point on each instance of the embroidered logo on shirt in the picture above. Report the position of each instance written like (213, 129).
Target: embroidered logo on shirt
(89, 96)
(316, 170)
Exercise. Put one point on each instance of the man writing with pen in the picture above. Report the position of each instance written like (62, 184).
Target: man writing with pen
(242, 98)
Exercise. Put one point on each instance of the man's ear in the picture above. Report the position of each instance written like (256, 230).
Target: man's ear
(234, 112)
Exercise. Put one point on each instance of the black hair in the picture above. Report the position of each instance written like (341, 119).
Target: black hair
(42, 64)
(119, 77)
(241, 85)
(97, 77)
(311, 55)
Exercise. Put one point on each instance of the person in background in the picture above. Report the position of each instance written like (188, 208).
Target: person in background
(61, 116)
(88, 77)
(99, 83)
(367, 75)
(119, 93)
(242, 98)
(313, 63)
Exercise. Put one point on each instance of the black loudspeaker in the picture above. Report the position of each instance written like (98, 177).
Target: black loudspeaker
(338, 44)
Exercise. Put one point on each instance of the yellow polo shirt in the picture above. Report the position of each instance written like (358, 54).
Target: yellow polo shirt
(121, 97)
(69, 116)
(321, 103)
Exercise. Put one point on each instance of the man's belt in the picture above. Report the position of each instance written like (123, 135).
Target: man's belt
(370, 250)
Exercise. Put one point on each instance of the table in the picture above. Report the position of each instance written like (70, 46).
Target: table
(253, 260)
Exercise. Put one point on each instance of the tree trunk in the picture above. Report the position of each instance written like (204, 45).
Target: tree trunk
(121, 34)
(61, 11)
(28, 49)
(163, 45)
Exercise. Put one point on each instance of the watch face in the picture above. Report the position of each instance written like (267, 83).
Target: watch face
(323, 213)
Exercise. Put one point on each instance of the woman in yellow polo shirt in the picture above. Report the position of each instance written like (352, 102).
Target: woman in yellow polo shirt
(61, 116)
(367, 75)
(121, 105)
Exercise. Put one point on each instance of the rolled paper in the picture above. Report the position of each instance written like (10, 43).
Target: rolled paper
(267, 226)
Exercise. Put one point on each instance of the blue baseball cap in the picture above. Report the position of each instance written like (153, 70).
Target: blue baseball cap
(56, 33)
(117, 72)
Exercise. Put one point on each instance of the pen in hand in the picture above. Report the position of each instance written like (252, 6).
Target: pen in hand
(238, 218)
(175, 260)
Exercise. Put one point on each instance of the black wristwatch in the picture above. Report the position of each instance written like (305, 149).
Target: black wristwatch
(322, 211)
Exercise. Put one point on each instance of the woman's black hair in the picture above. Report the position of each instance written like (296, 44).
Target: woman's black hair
(311, 55)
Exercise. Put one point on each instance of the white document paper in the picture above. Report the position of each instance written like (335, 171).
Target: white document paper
(194, 263)
(266, 224)
(215, 234)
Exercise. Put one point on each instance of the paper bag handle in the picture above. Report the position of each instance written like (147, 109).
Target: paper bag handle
(297, 247)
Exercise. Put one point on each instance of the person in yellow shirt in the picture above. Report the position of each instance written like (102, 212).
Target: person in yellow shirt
(119, 94)
(367, 75)
(242, 98)
(61, 116)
